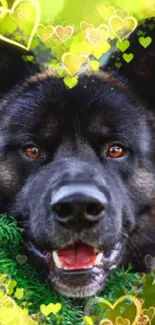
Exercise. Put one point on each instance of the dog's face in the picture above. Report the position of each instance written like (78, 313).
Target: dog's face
(76, 171)
(81, 162)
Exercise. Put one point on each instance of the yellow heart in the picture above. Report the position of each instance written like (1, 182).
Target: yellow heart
(89, 320)
(73, 62)
(122, 13)
(142, 320)
(4, 4)
(122, 28)
(5, 281)
(149, 312)
(151, 8)
(84, 25)
(23, 12)
(105, 322)
(142, 300)
(99, 35)
(100, 50)
(11, 313)
(45, 33)
(19, 293)
(50, 308)
(133, 299)
(11, 13)
(122, 321)
(94, 65)
(59, 69)
(106, 11)
(64, 33)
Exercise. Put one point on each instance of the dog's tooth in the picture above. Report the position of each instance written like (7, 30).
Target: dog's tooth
(98, 258)
(113, 267)
(113, 255)
(96, 250)
(57, 259)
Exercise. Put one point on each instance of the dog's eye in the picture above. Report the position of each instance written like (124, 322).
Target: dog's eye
(33, 152)
(116, 151)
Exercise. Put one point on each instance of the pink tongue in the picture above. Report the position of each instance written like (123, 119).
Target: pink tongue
(77, 257)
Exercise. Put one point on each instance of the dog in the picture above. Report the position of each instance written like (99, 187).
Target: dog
(77, 168)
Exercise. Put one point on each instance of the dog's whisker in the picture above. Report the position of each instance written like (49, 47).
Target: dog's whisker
(148, 239)
(133, 249)
(133, 244)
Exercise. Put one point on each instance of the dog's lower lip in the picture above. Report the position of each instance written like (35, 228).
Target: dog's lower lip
(77, 272)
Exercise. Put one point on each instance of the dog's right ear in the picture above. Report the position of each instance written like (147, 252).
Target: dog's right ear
(14, 66)
(140, 71)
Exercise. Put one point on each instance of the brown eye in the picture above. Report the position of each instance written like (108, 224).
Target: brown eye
(116, 151)
(33, 152)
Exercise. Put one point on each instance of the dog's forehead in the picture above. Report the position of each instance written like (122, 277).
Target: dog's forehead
(93, 105)
(90, 97)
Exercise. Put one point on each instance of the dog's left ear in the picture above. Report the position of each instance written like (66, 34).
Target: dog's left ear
(15, 65)
(140, 71)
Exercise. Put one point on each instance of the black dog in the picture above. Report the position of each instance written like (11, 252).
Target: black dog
(77, 170)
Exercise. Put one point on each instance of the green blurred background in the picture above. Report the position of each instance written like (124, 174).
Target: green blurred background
(74, 11)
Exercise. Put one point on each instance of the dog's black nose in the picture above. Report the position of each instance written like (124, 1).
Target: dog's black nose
(78, 204)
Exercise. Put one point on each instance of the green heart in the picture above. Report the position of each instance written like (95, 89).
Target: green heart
(128, 57)
(140, 33)
(70, 82)
(118, 65)
(122, 46)
(151, 26)
(145, 41)
(28, 58)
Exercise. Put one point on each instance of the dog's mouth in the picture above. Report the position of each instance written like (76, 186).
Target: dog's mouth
(75, 257)
(77, 270)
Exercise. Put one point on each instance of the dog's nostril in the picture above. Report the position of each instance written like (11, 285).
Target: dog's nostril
(94, 209)
(63, 209)
(67, 209)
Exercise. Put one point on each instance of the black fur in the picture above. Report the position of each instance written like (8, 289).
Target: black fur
(73, 128)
